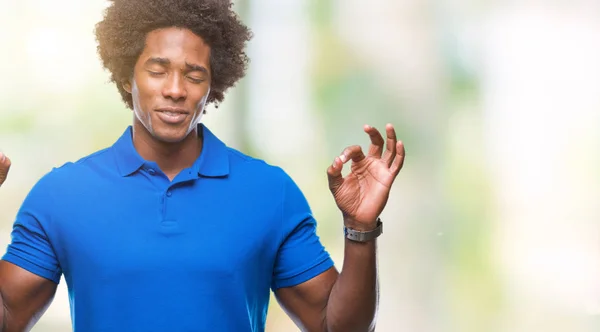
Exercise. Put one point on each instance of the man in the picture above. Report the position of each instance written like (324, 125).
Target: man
(169, 229)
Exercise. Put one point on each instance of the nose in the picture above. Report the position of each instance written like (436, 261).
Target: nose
(174, 88)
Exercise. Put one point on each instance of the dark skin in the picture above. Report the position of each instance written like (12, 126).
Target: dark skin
(171, 74)
(170, 86)
(24, 295)
(347, 301)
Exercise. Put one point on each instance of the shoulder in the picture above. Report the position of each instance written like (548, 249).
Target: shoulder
(72, 174)
(265, 182)
(88, 164)
(250, 167)
(63, 183)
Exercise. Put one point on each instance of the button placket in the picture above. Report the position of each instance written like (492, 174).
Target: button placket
(169, 224)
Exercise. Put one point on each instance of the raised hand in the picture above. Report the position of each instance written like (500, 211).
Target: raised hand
(362, 194)
(4, 167)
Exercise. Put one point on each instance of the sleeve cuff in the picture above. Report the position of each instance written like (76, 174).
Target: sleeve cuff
(53, 276)
(297, 279)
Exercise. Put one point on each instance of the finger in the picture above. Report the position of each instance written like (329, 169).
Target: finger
(399, 159)
(334, 174)
(376, 147)
(4, 167)
(353, 152)
(390, 150)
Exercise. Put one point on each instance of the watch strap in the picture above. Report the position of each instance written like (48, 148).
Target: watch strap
(359, 236)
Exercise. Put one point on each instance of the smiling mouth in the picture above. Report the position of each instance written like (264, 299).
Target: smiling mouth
(172, 110)
(171, 115)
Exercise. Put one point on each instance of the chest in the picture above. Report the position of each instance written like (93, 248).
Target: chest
(175, 230)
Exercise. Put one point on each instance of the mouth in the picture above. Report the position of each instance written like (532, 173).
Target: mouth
(172, 115)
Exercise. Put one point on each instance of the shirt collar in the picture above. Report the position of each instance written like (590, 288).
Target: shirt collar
(213, 161)
(128, 159)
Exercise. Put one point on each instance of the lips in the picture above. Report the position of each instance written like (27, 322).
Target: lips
(172, 115)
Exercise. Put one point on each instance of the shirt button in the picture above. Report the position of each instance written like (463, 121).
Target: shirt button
(169, 193)
(151, 171)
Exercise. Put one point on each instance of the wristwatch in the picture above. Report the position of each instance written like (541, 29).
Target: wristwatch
(359, 236)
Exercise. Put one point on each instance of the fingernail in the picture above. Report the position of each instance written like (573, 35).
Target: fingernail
(343, 158)
(2, 157)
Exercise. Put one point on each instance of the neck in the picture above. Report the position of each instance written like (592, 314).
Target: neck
(170, 157)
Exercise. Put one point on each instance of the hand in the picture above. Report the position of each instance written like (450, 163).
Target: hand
(362, 194)
(4, 167)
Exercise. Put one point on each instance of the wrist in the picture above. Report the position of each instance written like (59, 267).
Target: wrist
(365, 234)
(360, 226)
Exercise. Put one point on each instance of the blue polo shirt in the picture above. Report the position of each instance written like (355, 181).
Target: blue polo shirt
(142, 253)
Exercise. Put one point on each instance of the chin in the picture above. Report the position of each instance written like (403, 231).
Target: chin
(170, 135)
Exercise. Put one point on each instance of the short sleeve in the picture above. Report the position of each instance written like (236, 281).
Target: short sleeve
(301, 256)
(30, 247)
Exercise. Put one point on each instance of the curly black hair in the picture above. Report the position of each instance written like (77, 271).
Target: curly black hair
(121, 37)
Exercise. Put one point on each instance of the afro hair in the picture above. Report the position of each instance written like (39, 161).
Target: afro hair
(121, 37)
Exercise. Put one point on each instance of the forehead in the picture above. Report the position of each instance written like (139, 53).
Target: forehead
(176, 44)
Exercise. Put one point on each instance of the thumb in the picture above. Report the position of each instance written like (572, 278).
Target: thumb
(334, 175)
(4, 167)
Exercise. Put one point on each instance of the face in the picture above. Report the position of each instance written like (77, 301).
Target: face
(171, 83)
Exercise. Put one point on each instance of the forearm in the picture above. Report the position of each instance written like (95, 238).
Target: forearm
(354, 297)
(2, 314)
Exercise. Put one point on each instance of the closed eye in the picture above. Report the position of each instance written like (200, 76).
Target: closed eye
(155, 73)
(195, 80)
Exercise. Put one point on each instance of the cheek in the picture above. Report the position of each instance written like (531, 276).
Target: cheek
(146, 93)
(202, 97)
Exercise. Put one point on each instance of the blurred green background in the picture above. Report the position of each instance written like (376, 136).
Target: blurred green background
(494, 222)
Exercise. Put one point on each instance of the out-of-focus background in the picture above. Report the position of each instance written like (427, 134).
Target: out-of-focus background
(494, 223)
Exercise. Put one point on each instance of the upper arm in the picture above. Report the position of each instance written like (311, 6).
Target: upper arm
(300, 254)
(303, 274)
(306, 303)
(25, 295)
(30, 269)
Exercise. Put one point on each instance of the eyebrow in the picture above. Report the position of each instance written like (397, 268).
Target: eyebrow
(167, 62)
(193, 67)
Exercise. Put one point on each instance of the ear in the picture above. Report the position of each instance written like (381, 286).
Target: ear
(127, 86)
